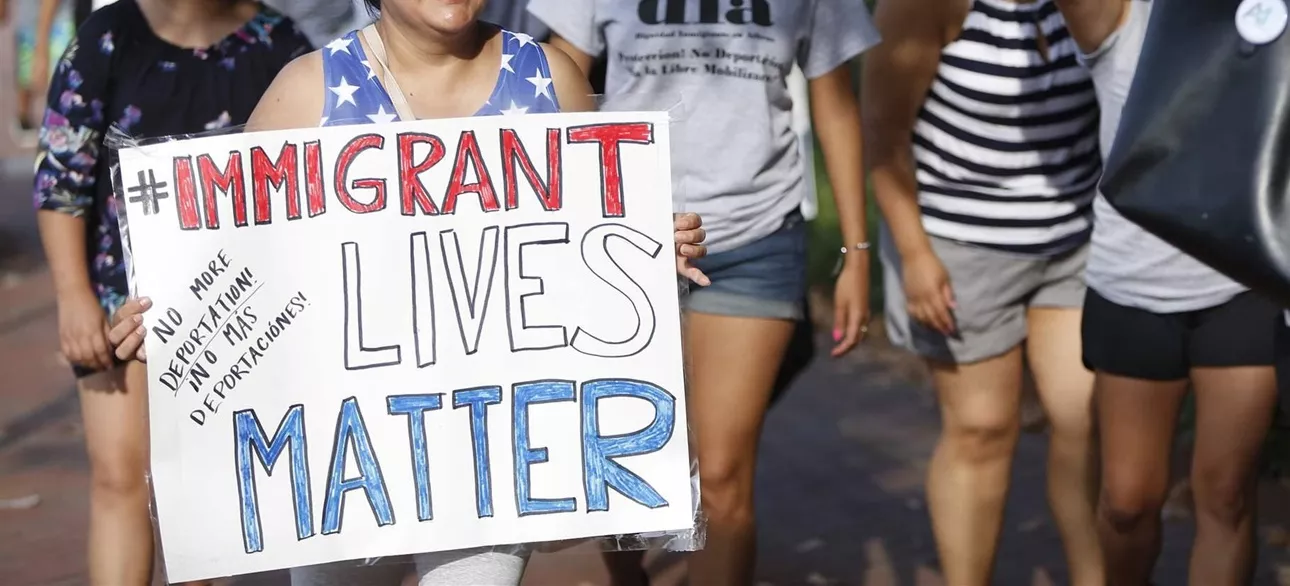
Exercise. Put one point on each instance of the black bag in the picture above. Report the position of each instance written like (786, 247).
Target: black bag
(1202, 156)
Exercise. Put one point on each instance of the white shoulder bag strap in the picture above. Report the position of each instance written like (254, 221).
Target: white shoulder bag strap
(377, 48)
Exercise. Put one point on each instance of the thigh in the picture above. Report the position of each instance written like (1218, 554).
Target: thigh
(479, 567)
(731, 365)
(1240, 332)
(1062, 285)
(1064, 386)
(983, 396)
(1136, 423)
(114, 415)
(1133, 343)
(1234, 409)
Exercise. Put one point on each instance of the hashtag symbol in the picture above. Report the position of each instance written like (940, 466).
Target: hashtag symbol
(148, 192)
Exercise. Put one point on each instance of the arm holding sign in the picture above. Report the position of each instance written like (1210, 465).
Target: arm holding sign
(569, 68)
(575, 94)
(67, 169)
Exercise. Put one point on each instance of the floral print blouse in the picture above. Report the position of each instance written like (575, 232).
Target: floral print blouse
(118, 72)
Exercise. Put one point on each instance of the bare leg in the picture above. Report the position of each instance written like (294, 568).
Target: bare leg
(1136, 419)
(1066, 389)
(967, 483)
(1234, 409)
(732, 363)
(116, 436)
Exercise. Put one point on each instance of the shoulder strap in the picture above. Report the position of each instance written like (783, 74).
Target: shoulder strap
(377, 48)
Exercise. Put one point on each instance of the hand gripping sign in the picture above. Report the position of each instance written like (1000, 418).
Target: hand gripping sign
(370, 341)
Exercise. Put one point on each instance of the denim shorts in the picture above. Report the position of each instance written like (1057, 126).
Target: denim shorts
(765, 278)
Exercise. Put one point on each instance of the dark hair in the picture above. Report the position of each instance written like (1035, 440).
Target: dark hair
(373, 6)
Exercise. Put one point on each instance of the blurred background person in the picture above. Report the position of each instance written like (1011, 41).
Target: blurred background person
(1156, 321)
(129, 65)
(738, 163)
(983, 147)
(43, 29)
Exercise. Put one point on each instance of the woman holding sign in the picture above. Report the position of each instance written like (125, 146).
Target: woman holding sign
(152, 68)
(725, 65)
(422, 59)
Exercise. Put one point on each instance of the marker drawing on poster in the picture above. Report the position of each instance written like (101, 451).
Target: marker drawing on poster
(369, 341)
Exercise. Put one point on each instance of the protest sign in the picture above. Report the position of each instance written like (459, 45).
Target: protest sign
(379, 340)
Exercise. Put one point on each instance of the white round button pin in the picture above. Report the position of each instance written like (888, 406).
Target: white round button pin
(1260, 22)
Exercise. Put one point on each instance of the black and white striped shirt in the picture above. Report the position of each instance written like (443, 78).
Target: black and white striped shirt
(1007, 140)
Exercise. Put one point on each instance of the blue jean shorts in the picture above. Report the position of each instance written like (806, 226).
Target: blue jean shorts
(765, 278)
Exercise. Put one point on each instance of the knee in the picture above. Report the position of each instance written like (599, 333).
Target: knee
(118, 478)
(981, 440)
(1220, 497)
(726, 489)
(1125, 507)
(1071, 428)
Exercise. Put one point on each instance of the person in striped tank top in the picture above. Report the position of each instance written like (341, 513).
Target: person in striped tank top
(983, 135)
(434, 59)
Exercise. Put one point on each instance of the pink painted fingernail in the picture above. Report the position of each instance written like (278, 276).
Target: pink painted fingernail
(837, 335)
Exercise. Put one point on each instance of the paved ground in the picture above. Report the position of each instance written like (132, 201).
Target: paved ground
(840, 481)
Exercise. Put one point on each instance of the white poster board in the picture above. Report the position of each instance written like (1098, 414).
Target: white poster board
(379, 340)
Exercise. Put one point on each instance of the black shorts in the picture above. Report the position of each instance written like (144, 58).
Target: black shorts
(1137, 343)
(1282, 352)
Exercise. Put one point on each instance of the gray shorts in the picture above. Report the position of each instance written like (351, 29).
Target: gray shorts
(992, 290)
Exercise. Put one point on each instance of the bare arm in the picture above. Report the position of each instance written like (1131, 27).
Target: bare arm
(40, 53)
(835, 114)
(897, 76)
(571, 86)
(579, 58)
(67, 171)
(1091, 22)
(293, 100)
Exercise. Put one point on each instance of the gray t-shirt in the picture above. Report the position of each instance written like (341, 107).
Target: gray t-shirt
(513, 15)
(320, 20)
(720, 67)
(1126, 264)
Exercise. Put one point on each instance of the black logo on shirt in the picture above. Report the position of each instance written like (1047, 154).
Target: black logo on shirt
(710, 12)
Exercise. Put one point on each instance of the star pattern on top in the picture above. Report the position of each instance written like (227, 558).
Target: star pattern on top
(515, 110)
(541, 85)
(381, 116)
(523, 84)
(344, 93)
(340, 45)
